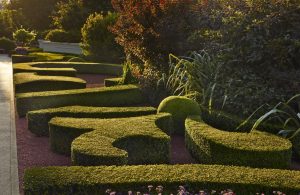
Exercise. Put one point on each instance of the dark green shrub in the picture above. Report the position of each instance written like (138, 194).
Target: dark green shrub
(79, 180)
(59, 35)
(31, 82)
(80, 67)
(23, 36)
(98, 43)
(118, 141)
(7, 44)
(180, 108)
(10, 20)
(255, 149)
(38, 120)
(71, 15)
(125, 95)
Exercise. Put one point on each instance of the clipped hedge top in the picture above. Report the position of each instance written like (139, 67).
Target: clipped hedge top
(109, 132)
(76, 91)
(88, 109)
(29, 68)
(134, 177)
(22, 78)
(34, 65)
(115, 127)
(254, 141)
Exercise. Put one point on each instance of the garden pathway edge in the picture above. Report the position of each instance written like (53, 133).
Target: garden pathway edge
(9, 183)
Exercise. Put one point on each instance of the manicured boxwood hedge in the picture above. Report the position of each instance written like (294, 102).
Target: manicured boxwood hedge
(95, 180)
(117, 141)
(80, 67)
(22, 58)
(256, 149)
(25, 67)
(38, 120)
(125, 95)
(112, 82)
(31, 82)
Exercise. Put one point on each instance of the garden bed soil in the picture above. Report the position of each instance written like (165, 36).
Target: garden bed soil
(93, 81)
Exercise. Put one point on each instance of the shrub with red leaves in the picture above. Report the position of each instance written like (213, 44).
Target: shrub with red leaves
(149, 30)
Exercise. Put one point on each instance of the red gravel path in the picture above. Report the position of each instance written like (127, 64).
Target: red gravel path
(35, 151)
(94, 80)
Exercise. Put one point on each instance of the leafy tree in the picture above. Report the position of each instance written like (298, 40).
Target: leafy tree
(36, 12)
(10, 20)
(97, 41)
(150, 30)
(24, 36)
(72, 14)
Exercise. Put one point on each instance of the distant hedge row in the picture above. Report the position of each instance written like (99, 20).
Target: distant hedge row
(125, 95)
(117, 141)
(31, 82)
(95, 180)
(80, 67)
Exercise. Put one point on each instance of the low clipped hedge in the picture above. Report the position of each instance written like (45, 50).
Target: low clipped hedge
(22, 58)
(38, 120)
(25, 67)
(112, 82)
(256, 149)
(117, 141)
(125, 95)
(95, 180)
(80, 67)
(31, 82)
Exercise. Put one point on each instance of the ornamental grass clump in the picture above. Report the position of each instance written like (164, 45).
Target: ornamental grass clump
(287, 116)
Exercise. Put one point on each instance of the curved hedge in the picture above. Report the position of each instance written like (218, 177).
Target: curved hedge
(117, 141)
(31, 82)
(80, 67)
(38, 120)
(255, 149)
(95, 180)
(26, 67)
(125, 95)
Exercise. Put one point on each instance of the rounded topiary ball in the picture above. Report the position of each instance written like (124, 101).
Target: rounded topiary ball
(180, 108)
